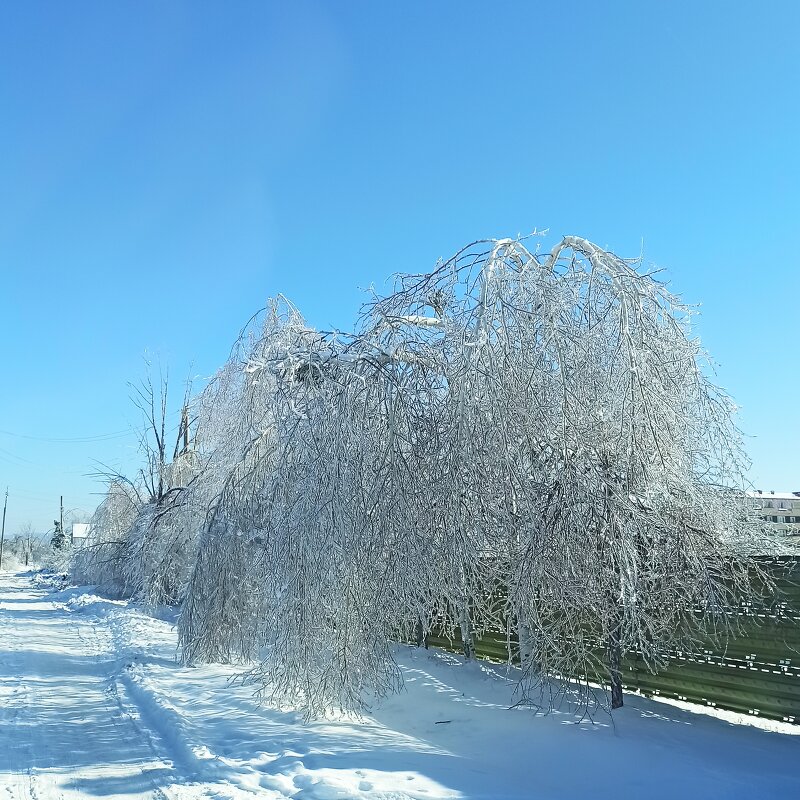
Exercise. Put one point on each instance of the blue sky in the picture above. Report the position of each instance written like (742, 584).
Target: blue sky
(166, 167)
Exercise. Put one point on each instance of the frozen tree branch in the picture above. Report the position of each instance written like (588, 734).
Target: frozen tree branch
(516, 441)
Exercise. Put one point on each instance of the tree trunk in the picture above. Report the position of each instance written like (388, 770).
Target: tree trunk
(525, 640)
(615, 629)
(466, 634)
(615, 662)
(422, 639)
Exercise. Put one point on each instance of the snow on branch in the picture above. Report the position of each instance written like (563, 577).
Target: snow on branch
(515, 441)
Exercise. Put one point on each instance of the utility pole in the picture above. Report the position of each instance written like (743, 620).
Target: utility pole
(63, 535)
(3, 529)
(185, 425)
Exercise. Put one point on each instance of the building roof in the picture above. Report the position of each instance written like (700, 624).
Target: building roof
(774, 495)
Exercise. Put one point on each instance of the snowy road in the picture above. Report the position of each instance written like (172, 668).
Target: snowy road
(65, 732)
(92, 704)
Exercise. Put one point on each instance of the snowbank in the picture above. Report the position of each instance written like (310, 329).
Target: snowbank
(158, 729)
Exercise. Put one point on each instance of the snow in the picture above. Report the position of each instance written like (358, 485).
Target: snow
(80, 530)
(774, 495)
(93, 704)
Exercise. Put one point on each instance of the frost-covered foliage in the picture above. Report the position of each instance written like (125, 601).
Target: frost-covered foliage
(103, 559)
(25, 549)
(224, 602)
(161, 539)
(142, 536)
(517, 440)
(285, 565)
(578, 455)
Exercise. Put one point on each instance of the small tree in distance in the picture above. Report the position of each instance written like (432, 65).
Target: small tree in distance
(23, 544)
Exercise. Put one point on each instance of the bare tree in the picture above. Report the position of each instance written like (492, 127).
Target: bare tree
(141, 543)
(26, 548)
(24, 544)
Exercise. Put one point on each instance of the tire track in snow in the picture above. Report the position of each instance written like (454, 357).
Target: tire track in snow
(18, 752)
(198, 773)
(161, 727)
(60, 736)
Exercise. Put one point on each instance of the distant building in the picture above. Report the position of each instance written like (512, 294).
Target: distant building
(781, 510)
(80, 532)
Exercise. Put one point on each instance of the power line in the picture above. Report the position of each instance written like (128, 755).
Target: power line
(4, 452)
(100, 437)
(23, 495)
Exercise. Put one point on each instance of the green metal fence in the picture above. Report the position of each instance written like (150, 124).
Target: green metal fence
(757, 672)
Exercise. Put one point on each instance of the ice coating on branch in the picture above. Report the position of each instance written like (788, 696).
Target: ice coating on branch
(545, 456)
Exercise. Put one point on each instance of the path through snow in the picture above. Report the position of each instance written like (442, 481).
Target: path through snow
(92, 704)
(65, 731)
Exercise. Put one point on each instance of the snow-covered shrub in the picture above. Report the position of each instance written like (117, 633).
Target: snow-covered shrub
(161, 541)
(103, 559)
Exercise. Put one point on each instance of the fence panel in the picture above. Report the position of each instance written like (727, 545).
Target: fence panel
(757, 672)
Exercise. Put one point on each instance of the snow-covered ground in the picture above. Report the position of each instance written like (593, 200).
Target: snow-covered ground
(93, 704)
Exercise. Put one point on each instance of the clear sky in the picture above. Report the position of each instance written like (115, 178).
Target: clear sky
(166, 167)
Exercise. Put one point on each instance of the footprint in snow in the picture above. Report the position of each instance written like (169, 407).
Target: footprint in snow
(318, 790)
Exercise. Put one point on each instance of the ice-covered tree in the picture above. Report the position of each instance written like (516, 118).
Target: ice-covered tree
(593, 468)
(141, 540)
(283, 564)
(103, 559)
(520, 439)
